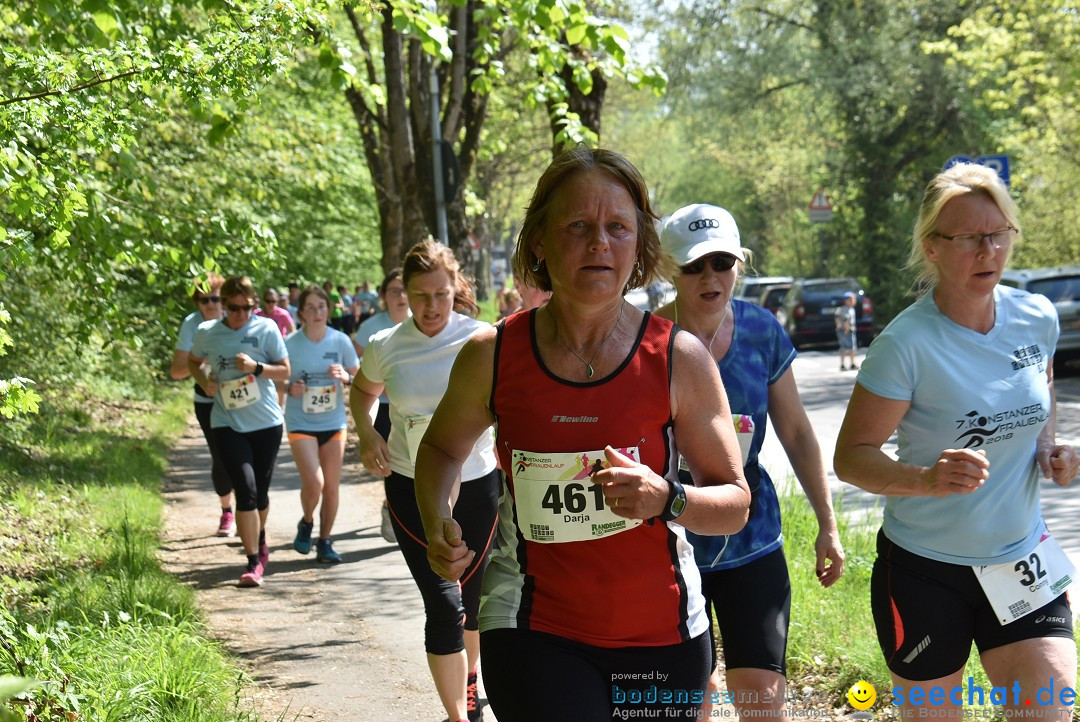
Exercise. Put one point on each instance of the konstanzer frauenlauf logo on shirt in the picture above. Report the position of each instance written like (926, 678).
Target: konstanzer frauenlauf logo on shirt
(978, 429)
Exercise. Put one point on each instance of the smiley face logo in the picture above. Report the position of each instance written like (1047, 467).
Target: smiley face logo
(862, 695)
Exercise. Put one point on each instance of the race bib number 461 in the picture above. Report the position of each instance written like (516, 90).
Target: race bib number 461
(558, 502)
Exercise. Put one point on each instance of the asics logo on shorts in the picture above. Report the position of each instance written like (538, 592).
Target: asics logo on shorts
(1043, 618)
(702, 223)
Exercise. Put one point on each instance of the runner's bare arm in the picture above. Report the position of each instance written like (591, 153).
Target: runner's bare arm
(363, 395)
(195, 370)
(796, 434)
(461, 417)
(869, 422)
(705, 437)
(1057, 461)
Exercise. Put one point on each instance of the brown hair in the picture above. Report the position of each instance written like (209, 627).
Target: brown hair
(311, 290)
(427, 257)
(390, 277)
(206, 285)
(238, 286)
(654, 264)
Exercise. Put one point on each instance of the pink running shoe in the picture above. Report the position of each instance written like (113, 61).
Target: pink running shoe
(264, 552)
(227, 525)
(252, 576)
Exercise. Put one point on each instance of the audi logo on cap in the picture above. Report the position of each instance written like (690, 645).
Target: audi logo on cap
(703, 223)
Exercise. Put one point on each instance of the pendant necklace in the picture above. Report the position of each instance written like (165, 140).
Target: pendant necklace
(588, 364)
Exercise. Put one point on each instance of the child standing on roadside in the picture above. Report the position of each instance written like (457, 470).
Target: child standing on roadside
(845, 330)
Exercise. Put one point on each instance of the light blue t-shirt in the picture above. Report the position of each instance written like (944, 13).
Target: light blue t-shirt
(986, 392)
(309, 362)
(759, 354)
(371, 326)
(261, 340)
(184, 339)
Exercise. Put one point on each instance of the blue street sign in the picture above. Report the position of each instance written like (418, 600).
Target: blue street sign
(999, 163)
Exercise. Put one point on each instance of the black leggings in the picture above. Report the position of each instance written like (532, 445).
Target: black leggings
(538, 676)
(249, 459)
(449, 607)
(222, 483)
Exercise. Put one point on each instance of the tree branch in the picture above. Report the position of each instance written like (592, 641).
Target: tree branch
(77, 88)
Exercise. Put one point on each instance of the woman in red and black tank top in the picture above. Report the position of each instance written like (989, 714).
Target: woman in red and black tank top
(592, 590)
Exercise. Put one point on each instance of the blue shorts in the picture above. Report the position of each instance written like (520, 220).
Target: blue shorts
(846, 340)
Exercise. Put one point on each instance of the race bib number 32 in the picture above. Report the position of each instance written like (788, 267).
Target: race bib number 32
(558, 502)
(1018, 588)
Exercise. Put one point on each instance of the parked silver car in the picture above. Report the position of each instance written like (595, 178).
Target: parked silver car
(1062, 286)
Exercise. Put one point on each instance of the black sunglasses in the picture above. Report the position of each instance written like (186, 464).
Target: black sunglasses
(719, 262)
(209, 299)
(235, 309)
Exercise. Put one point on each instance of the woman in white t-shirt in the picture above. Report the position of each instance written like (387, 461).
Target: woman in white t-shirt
(322, 362)
(411, 363)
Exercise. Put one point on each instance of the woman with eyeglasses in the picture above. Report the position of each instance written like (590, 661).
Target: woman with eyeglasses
(236, 360)
(411, 363)
(754, 357)
(964, 378)
(395, 303)
(207, 298)
(322, 362)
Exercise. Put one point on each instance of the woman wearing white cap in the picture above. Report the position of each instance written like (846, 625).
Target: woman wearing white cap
(754, 356)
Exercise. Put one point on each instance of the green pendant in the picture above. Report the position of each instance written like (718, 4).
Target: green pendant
(588, 371)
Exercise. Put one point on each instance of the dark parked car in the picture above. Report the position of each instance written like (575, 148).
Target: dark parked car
(807, 313)
(1062, 286)
(773, 297)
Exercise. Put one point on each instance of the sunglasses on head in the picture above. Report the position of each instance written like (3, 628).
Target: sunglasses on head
(236, 309)
(719, 262)
(209, 299)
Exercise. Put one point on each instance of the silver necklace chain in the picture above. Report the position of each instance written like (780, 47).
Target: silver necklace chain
(588, 364)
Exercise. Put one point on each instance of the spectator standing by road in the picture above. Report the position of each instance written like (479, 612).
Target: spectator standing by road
(845, 330)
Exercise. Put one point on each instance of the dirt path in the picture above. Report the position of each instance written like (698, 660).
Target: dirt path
(322, 642)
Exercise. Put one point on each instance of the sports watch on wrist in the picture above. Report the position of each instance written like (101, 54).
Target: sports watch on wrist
(676, 503)
(258, 369)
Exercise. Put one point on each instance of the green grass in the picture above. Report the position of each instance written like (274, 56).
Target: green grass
(86, 608)
(832, 643)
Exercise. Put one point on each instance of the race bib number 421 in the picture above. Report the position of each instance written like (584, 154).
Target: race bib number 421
(558, 502)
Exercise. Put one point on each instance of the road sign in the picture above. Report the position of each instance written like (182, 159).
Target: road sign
(998, 163)
(820, 208)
